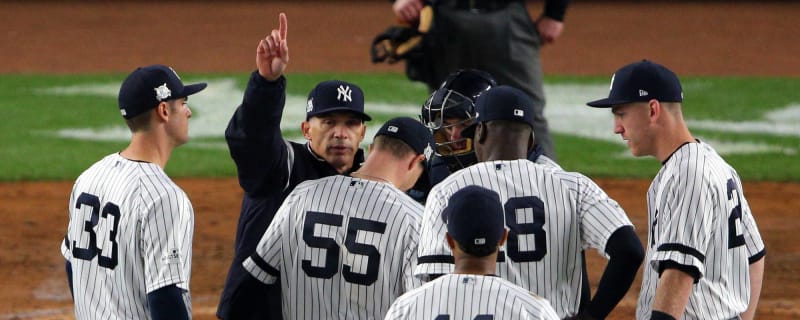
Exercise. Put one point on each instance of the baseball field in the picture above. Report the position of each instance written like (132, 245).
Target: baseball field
(61, 64)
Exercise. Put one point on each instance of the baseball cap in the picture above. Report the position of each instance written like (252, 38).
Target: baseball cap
(475, 217)
(640, 82)
(502, 103)
(411, 132)
(148, 86)
(335, 95)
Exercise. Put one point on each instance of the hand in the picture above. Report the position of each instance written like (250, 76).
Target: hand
(272, 54)
(407, 11)
(549, 29)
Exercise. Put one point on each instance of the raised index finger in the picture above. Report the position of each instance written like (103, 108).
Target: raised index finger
(283, 27)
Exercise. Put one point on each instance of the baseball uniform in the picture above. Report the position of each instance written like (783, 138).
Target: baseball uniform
(552, 215)
(467, 296)
(270, 167)
(699, 219)
(343, 247)
(130, 233)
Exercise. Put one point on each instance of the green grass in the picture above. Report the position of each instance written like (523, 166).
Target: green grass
(30, 150)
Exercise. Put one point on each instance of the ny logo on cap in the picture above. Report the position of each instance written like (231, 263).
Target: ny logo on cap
(344, 93)
(162, 92)
(519, 113)
(392, 129)
(310, 105)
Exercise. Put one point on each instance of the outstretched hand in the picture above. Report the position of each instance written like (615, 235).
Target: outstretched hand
(272, 54)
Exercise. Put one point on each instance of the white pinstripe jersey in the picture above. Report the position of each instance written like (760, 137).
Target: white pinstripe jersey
(463, 296)
(130, 233)
(698, 217)
(344, 248)
(552, 215)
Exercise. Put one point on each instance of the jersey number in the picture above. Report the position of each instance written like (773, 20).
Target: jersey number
(516, 229)
(734, 239)
(91, 249)
(478, 317)
(354, 225)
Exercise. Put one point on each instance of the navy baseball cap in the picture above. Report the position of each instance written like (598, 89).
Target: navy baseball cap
(409, 130)
(335, 95)
(640, 82)
(475, 217)
(502, 103)
(148, 86)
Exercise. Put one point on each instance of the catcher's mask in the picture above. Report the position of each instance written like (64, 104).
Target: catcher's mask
(452, 107)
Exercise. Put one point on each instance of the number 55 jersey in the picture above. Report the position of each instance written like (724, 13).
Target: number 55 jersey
(551, 216)
(342, 247)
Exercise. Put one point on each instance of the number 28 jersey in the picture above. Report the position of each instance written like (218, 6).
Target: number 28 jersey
(343, 247)
(551, 216)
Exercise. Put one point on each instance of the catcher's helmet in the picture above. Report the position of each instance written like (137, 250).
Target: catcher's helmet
(455, 99)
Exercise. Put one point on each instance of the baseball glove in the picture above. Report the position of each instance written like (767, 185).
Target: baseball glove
(400, 41)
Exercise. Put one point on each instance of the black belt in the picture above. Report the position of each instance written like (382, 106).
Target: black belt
(481, 5)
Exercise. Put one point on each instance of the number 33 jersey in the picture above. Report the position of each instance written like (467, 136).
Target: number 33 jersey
(130, 233)
(551, 216)
(344, 248)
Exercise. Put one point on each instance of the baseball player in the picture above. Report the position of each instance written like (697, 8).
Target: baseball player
(447, 111)
(705, 256)
(344, 247)
(551, 215)
(472, 291)
(129, 240)
(270, 167)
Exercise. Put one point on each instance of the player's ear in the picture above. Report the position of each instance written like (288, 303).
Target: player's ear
(162, 110)
(305, 127)
(415, 161)
(531, 142)
(504, 238)
(450, 242)
(654, 109)
(481, 133)
(363, 131)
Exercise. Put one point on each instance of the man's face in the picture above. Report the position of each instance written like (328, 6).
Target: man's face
(632, 123)
(449, 138)
(335, 137)
(178, 123)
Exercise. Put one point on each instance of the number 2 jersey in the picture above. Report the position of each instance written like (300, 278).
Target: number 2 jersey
(700, 221)
(130, 233)
(343, 247)
(551, 216)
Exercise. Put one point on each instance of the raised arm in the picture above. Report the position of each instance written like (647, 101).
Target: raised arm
(253, 133)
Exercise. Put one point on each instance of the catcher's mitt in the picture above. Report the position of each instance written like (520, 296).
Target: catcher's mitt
(398, 42)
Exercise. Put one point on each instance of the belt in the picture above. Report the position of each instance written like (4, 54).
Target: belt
(481, 5)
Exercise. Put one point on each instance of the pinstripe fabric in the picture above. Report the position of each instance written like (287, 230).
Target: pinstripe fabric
(461, 296)
(574, 213)
(323, 240)
(693, 204)
(153, 236)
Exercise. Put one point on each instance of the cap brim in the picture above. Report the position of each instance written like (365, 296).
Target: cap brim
(606, 103)
(324, 111)
(193, 88)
